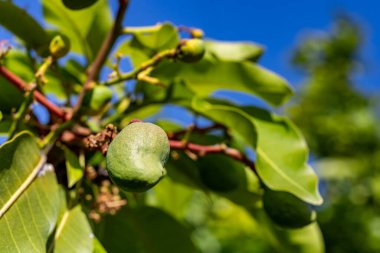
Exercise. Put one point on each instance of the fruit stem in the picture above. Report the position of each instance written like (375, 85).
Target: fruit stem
(134, 74)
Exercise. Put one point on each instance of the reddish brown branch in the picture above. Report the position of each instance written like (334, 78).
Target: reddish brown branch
(107, 45)
(202, 150)
(20, 84)
(201, 130)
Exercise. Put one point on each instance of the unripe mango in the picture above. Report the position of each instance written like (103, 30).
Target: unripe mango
(59, 46)
(286, 210)
(136, 157)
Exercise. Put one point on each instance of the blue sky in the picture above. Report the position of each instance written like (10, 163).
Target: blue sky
(276, 24)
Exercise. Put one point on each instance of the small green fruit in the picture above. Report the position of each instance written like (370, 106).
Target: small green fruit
(96, 99)
(135, 158)
(59, 46)
(286, 210)
(78, 4)
(221, 173)
(191, 50)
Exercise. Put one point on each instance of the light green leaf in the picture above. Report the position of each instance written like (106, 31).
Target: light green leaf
(143, 46)
(208, 76)
(282, 155)
(135, 51)
(165, 37)
(73, 168)
(234, 51)
(73, 233)
(141, 113)
(281, 152)
(85, 28)
(25, 27)
(29, 203)
(144, 229)
(1, 116)
(98, 247)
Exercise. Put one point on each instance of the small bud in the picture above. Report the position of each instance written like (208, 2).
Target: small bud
(190, 50)
(197, 33)
(59, 46)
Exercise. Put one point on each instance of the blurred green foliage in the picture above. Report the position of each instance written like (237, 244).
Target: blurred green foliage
(341, 127)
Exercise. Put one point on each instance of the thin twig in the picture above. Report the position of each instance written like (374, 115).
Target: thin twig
(20, 84)
(98, 63)
(166, 54)
(203, 150)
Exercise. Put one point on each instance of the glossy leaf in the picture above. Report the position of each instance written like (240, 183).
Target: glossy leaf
(209, 75)
(73, 233)
(85, 28)
(26, 27)
(281, 152)
(233, 51)
(142, 230)
(31, 217)
(285, 167)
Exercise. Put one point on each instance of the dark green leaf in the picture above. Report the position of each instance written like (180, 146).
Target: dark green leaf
(144, 230)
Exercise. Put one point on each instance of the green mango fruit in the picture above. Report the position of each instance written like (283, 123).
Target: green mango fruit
(221, 173)
(286, 210)
(191, 50)
(96, 99)
(136, 157)
(78, 4)
(59, 46)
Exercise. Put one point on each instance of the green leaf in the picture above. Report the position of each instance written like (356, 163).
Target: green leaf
(73, 233)
(135, 51)
(85, 28)
(282, 155)
(73, 167)
(144, 229)
(98, 247)
(208, 76)
(141, 113)
(143, 46)
(165, 37)
(29, 202)
(1, 116)
(20, 23)
(281, 152)
(234, 51)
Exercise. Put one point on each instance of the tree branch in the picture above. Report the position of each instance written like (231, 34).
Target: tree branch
(96, 66)
(20, 84)
(202, 150)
